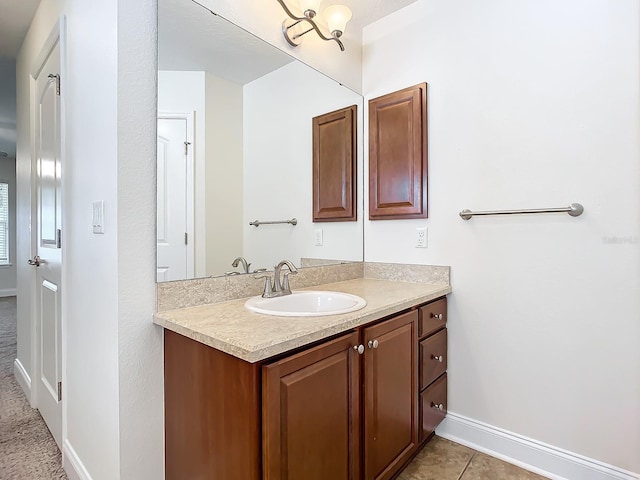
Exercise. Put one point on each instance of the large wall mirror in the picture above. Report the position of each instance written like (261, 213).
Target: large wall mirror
(235, 145)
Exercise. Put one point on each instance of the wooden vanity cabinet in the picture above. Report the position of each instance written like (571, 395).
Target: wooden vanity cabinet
(330, 411)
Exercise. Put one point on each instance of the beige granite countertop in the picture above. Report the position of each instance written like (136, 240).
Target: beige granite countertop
(253, 337)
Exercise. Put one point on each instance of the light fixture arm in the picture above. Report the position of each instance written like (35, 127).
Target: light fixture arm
(305, 19)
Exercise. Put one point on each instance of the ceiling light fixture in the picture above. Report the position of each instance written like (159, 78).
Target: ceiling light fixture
(336, 17)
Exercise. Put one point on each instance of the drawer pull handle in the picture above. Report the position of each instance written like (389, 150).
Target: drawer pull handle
(373, 343)
(438, 406)
(438, 358)
(359, 348)
(437, 316)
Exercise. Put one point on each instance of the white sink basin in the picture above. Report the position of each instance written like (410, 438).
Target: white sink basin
(310, 303)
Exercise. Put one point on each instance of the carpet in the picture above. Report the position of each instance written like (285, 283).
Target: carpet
(27, 449)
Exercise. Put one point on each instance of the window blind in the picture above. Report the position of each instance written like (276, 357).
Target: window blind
(4, 223)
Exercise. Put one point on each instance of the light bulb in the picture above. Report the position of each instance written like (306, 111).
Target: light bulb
(337, 17)
(310, 7)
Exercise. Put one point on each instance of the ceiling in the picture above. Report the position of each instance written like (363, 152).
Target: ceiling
(192, 38)
(15, 18)
(228, 51)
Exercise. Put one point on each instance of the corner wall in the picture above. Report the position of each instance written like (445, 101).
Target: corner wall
(531, 104)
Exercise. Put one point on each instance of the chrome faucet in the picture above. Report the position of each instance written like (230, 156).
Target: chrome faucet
(243, 261)
(283, 285)
(279, 287)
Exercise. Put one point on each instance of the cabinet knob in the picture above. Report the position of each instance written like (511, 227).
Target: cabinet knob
(359, 348)
(437, 316)
(438, 358)
(373, 344)
(439, 406)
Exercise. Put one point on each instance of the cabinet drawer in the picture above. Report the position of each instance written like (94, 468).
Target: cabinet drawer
(432, 317)
(433, 357)
(433, 406)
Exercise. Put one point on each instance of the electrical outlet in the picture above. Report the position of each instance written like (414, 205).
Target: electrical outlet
(318, 233)
(421, 237)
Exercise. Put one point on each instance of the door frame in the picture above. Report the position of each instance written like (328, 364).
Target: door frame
(57, 36)
(190, 188)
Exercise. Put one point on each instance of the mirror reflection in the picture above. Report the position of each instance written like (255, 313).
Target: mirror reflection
(235, 146)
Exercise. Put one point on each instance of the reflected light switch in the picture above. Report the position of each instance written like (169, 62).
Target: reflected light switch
(98, 217)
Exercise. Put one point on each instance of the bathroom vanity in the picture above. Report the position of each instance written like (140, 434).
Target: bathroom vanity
(351, 396)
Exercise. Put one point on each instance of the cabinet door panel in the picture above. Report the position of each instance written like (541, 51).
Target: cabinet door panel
(334, 166)
(398, 154)
(391, 395)
(433, 357)
(311, 423)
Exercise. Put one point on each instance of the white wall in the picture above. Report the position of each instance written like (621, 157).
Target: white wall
(112, 353)
(140, 343)
(264, 19)
(531, 104)
(224, 174)
(278, 158)
(8, 272)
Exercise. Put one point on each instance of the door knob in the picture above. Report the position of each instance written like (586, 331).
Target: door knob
(34, 261)
(437, 358)
(437, 316)
(373, 343)
(359, 348)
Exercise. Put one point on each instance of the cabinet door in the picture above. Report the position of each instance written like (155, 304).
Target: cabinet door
(311, 422)
(334, 166)
(391, 395)
(398, 154)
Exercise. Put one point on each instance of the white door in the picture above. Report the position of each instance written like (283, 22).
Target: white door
(48, 259)
(175, 207)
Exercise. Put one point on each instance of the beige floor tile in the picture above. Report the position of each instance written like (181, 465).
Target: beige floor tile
(439, 460)
(484, 467)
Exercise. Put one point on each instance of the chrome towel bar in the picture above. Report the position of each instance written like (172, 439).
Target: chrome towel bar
(257, 223)
(575, 210)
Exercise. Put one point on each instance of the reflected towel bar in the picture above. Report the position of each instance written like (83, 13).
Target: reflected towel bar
(257, 223)
(575, 210)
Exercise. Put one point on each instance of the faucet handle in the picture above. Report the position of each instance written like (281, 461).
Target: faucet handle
(285, 282)
(268, 288)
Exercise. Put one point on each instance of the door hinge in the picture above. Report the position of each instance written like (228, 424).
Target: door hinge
(59, 391)
(186, 238)
(57, 77)
(58, 238)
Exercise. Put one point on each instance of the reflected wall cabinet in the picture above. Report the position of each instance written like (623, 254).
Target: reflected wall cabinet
(398, 155)
(334, 166)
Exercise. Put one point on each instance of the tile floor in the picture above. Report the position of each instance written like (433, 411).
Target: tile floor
(441, 459)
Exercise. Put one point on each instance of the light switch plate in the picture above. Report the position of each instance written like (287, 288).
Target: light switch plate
(319, 240)
(98, 217)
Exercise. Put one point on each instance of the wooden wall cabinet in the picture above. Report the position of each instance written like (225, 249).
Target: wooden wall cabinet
(398, 155)
(334, 166)
(330, 411)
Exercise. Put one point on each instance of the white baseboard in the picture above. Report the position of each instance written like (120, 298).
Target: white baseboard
(538, 457)
(8, 292)
(71, 463)
(22, 377)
